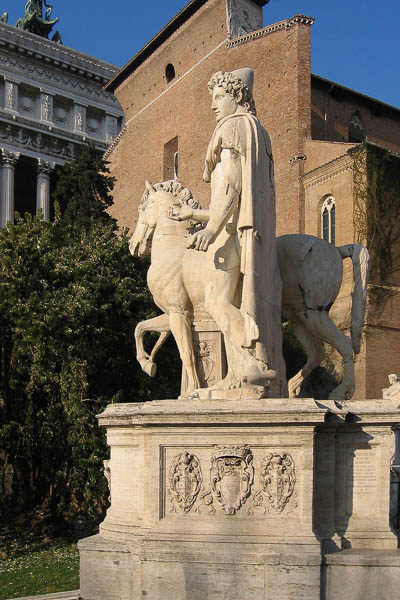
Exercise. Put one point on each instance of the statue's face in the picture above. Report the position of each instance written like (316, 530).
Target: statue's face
(223, 103)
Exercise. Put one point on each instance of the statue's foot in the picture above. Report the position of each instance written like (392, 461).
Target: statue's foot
(259, 374)
(229, 382)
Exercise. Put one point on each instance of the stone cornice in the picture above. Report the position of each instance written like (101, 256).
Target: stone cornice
(25, 134)
(46, 51)
(49, 75)
(281, 25)
(328, 171)
(53, 130)
(115, 143)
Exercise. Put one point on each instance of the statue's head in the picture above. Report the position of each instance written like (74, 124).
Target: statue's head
(232, 92)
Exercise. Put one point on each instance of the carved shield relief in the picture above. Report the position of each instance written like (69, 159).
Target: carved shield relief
(185, 481)
(232, 475)
(277, 479)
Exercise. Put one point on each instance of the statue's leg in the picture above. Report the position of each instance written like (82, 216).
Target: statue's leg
(158, 324)
(219, 296)
(315, 353)
(181, 327)
(320, 324)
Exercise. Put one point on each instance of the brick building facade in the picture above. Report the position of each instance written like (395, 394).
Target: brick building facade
(313, 124)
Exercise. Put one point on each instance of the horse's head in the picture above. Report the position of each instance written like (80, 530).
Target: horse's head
(139, 244)
(154, 208)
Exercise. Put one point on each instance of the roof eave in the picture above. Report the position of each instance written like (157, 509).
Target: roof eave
(189, 10)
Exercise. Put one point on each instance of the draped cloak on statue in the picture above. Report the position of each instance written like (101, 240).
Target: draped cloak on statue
(261, 293)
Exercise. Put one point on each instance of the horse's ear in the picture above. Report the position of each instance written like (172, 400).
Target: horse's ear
(150, 187)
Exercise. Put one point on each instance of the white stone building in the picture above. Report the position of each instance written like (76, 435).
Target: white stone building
(51, 101)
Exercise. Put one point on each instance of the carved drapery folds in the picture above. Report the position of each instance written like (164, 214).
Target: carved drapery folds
(33, 140)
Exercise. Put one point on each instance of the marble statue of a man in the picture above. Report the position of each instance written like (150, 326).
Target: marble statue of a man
(243, 293)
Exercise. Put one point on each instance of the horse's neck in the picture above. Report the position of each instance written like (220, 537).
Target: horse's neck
(166, 226)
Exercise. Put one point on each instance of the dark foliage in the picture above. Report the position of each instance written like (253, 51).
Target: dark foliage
(70, 298)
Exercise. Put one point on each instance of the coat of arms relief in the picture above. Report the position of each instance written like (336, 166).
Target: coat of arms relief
(231, 483)
(185, 481)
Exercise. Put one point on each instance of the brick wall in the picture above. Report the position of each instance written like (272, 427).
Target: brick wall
(381, 122)
(157, 112)
(290, 108)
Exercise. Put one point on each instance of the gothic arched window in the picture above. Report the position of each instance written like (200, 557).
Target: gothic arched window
(328, 219)
(356, 128)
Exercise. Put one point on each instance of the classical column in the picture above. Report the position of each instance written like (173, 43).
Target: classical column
(8, 164)
(43, 188)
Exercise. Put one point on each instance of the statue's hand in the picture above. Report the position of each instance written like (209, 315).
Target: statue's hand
(180, 213)
(201, 240)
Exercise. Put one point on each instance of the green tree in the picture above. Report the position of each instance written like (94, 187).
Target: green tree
(70, 298)
(84, 189)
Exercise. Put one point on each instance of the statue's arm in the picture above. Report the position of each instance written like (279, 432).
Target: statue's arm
(185, 212)
(226, 185)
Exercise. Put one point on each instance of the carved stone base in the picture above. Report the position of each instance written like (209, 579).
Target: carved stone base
(210, 354)
(236, 498)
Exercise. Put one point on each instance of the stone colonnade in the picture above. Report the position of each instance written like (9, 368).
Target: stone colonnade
(8, 164)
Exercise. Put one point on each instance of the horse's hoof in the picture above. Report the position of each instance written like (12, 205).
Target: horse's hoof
(257, 375)
(148, 367)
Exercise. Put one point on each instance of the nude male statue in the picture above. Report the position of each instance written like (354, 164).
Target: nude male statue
(243, 293)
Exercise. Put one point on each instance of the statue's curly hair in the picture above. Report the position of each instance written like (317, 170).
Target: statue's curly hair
(234, 86)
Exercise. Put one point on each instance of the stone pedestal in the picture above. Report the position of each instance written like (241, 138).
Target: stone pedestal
(210, 355)
(223, 499)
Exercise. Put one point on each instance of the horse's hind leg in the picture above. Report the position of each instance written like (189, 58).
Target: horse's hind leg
(315, 353)
(320, 324)
(158, 324)
(181, 328)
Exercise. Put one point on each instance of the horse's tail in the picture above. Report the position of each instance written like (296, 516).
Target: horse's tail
(360, 257)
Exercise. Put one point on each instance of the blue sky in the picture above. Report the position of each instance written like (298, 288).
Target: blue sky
(354, 42)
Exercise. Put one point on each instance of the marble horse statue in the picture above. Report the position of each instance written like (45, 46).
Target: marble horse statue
(311, 271)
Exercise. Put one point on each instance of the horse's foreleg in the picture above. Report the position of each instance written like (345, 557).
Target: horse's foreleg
(181, 328)
(158, 324)
(320, 323)
(315, 353)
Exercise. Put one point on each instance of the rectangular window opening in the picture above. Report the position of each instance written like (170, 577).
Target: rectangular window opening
(171, 159)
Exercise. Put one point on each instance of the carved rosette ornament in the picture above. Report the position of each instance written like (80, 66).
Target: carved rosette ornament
(277, 480)
(232, 475)
(185, 481)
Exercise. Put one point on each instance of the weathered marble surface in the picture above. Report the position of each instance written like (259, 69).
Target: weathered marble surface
(238, 497)
(224, 266)
(229, 261)
(393, 391)
(363, 574)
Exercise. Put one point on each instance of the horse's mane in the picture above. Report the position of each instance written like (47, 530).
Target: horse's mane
(178, 191)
